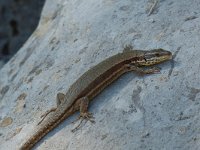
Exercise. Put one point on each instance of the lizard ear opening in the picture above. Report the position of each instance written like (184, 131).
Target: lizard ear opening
(60, 98)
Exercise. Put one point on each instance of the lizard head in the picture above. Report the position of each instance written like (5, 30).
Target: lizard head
(155, 56)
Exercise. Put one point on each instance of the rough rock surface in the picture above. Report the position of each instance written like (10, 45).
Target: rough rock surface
(160, 111)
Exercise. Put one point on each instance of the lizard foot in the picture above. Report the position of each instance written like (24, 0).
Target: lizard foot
(154, 70)
(87, 116)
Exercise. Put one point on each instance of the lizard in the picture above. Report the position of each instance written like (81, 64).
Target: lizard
(92, 83)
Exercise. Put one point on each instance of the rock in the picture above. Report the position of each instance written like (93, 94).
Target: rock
(6, 121)
(159, 111)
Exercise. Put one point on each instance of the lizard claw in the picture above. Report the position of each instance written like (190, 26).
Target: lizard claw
(83, 116)
(88, 116)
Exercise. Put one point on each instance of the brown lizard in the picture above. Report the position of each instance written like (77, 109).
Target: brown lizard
(91, 83)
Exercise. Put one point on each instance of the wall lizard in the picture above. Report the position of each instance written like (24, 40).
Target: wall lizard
(91, 83)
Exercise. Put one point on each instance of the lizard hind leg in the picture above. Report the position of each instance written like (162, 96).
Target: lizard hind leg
(60, 99)
(84, 114)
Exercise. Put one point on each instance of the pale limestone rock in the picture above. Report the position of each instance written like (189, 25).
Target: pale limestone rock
(155, 112)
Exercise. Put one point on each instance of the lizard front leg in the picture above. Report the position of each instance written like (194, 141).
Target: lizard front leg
(139, 70)
(59, 100)
(84, 114)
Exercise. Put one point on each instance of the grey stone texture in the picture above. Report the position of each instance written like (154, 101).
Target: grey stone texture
(155, 112)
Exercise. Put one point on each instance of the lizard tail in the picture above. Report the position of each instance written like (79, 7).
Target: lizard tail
(36, 137)
(45, 127)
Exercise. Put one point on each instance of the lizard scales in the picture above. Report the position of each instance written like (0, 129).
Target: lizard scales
(92, 82)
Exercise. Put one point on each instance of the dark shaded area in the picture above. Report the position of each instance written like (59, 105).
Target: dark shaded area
(14, 26)
(18, 19)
